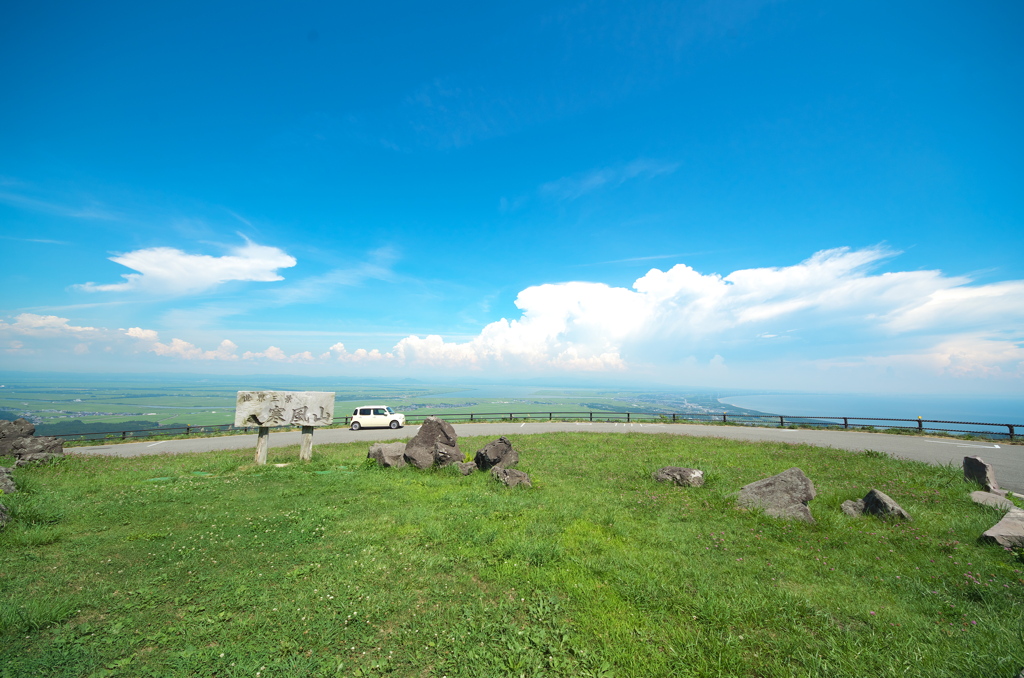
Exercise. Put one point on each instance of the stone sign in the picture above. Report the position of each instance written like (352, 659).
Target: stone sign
(284, 408)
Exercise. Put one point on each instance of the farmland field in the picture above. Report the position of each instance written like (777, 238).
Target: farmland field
(79, 403)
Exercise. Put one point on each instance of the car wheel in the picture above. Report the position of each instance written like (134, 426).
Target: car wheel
(394, 424)
(355, 425)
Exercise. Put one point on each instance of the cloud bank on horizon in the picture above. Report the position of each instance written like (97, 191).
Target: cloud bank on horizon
(679, 320)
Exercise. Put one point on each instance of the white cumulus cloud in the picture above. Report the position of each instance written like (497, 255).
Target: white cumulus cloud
(340, 353)
(278, 355)
(833, 295)
(179, 348)
(170, 271)
(144, 335)
(31, 324)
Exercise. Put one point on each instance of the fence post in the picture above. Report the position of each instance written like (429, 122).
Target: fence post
(673, 417)
(471, 416)
(188, 430)
(124, 434)
(920, 424)
(846, 422)
(628, 417)
(781, 421)
(591, 415)
(1010, 426)
(723, 417)
(510, 416)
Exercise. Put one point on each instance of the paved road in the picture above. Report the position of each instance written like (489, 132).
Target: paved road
(1006, 460)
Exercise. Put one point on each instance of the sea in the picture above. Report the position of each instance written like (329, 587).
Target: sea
(984, 409)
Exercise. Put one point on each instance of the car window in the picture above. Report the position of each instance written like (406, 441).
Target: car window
(355, 412)
(365, 411)
(390, 411)
(379, 412)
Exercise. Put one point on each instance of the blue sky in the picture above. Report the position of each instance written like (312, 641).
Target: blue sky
(778, 195)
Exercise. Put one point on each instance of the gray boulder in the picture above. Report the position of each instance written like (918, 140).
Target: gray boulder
(7, 485)
(510, 477)
(496, 454)
(977, 471)
(390, 455)
(781, 496)
(37, 450)
(683, 477)
(4, 515)
(467, 467)
(875, 503)
(14, 430)
(435, 439)
(992, 499)
(446, 455)
(1009, 531)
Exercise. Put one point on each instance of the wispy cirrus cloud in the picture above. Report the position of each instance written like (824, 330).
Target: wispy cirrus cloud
(69, 209)
(377, 266)
(170, 271)
(43, 241)
(578, 185)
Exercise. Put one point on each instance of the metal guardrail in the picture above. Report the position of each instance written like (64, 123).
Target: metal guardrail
(771, 420)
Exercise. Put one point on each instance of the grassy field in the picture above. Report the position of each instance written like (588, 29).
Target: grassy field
(203, 565)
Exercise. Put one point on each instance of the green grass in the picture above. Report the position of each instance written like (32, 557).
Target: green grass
(142, 566)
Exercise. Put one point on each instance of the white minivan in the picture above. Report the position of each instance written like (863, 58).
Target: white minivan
(376, 416)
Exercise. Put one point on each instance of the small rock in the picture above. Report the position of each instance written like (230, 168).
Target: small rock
(7, 485)
(853, 507)
(14, 430)
(781, 496)
(37, 450)
(977, 471)
(4, 515)
(683, 477)
(511, 477)
(389, 455)
(496, 454)
(878, 503)
(421, 451)
(466, 467)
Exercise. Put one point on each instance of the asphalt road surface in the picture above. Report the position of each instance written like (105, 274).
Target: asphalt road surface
(1007, 460)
